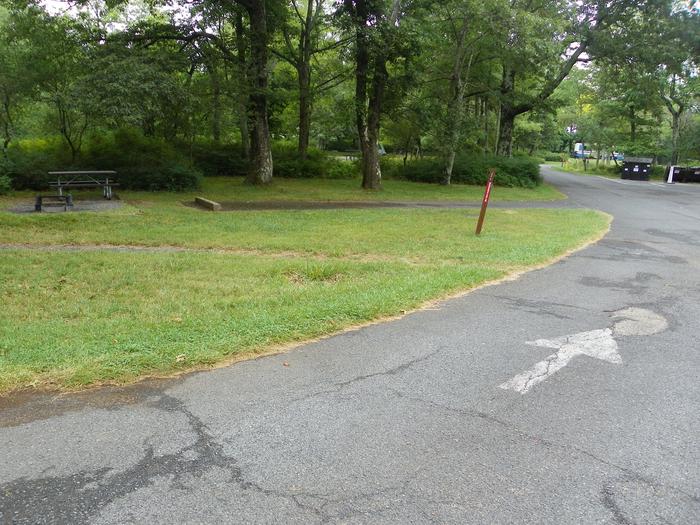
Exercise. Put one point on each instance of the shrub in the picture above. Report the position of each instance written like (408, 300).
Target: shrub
(611, 169)
(287, 163)
(468, 169)
(141, 162)
(218, 160)
(539, 158)
(658, 171)
(5, 185)
(29, 162)
(553, 157)
(317, 164)
(342, 169)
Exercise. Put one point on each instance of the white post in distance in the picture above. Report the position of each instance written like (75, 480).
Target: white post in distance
(670, 175)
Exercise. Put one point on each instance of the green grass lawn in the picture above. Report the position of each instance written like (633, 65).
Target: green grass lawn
(576, 167)
(74, 318)
(392, 190)
(233, 189)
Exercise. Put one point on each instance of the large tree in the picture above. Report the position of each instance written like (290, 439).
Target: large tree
(373, 23)
(678, 59)
(302, 40)
(260, 144)
(543, 41)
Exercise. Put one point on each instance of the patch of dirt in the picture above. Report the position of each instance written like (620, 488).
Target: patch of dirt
(301, 278)
(78, 205)
(340, 205)
(329, 205)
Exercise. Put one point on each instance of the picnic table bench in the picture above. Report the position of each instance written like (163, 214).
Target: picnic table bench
(85, 179)
(53, 200)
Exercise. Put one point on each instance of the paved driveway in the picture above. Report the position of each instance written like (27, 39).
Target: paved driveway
(568, 396)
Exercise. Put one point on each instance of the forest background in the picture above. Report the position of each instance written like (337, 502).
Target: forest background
(168, 92)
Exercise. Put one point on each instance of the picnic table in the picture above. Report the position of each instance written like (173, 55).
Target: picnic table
(85, 179)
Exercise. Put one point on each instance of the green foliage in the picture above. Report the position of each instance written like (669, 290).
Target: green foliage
(521, 172)
(61, 75)
(218, 160)
(342, 169)
(539, 159)
(657, 171)
(141, 162)
(5, 184)
(289, 165)
(553, 157)
(316, 165)
(215, 160)
(29, 161)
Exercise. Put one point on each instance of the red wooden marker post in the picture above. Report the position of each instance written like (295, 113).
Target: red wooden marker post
(485, 202)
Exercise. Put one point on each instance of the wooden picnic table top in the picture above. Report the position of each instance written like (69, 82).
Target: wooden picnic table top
(87, 172)
(85, 183)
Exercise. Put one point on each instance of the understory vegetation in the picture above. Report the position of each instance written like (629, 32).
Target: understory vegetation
(468, 169)
(166, 93)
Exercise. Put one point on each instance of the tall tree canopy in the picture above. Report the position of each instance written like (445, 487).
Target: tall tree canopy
(417, 76)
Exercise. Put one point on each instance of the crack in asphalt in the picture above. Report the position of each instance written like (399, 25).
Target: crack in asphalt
(77, 498)
(631, 474)
(337, 387)
(83, 495)
(537, 307)
(532, 377)
(610, 503)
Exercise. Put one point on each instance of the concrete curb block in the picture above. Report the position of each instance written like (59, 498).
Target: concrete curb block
(206, 203)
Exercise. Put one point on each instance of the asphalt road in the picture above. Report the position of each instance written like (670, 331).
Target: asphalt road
(418, 420)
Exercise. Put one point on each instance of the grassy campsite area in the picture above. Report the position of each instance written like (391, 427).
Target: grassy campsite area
(156, 287)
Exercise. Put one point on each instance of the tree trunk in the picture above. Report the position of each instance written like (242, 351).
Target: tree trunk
(675, 133)
(66, 130)
(6, 124)
(633, 125)
(243, 99)
(676, 108)
(505, 132)
(303, 66)
(361, 69)
(508, 108)
(485, 117)
(508, 114)
(455, 106)
(371, 172)
(368, 110)
(304, 76)
(216, 105)
(260, 150)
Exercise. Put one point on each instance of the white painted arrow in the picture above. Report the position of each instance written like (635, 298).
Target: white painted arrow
(596, 343)
(599, 344)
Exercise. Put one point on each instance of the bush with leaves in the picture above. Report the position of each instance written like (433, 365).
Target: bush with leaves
(29, 162)
(5, 184)
(553, 157)
(141, 163)
(216, 160)
(470, 168)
